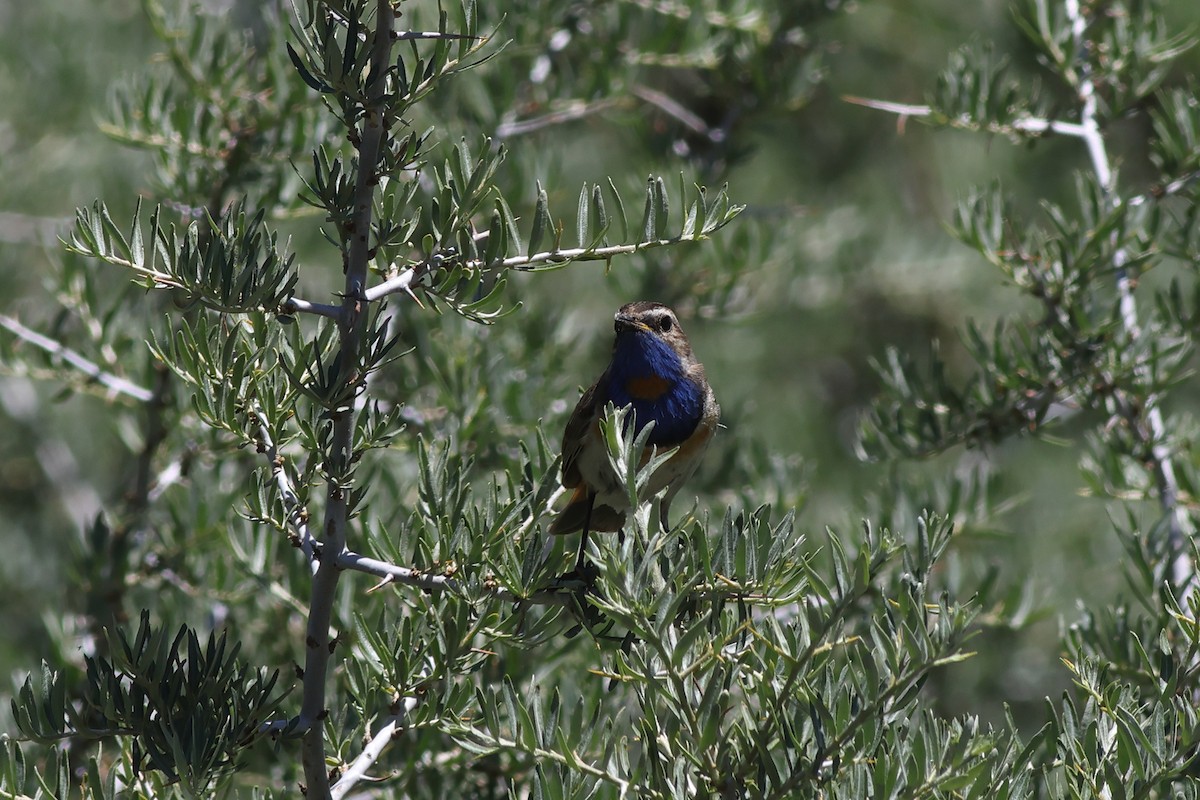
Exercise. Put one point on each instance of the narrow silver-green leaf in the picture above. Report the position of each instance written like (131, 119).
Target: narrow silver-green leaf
(581, 216)
(662, 207)
(598, 219)
(541, 221)
(618, 210)
(649, 219)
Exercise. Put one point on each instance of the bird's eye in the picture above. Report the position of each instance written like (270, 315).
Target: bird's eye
(665, 324)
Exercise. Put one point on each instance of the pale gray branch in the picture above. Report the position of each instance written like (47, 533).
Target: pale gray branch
(357, 771)
(297, 514)
(319, 645)
(570, 112)
(294, 305)
(677, 111)
(400, 283)
(1179, 526)
(405, 281)
(431, 581)
(115, 383)
(1026, 124)
(394, 573)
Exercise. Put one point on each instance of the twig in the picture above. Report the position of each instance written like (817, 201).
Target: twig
(115, 383)
(395, 573)
(275, 727)
(570, 759)
(169, 475)
(404, 36)
(406, 280)
(297, 514)
(431, 581)
(1026, 124)
(570, 112)
(754, 22)
(298, 306)
(400, 283)
(677, 111)
(1166, 190)
(373, 750)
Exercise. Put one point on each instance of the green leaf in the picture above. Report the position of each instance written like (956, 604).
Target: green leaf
(581, 217)
(541, 221)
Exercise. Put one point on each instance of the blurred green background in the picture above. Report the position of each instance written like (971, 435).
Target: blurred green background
(842, 252)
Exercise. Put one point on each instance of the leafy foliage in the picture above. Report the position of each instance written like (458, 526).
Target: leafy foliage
(191, 706)
(287, 446)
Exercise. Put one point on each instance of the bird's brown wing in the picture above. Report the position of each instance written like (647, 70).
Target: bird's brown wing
(578, 429)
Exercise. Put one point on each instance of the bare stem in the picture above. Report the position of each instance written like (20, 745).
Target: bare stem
(373, 750)
(406, 280)
(294, 305)
(339, 456)
(114, 383)
(432, 581)
(568, 112)
(297, 515)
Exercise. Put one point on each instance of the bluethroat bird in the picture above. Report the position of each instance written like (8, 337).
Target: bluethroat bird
(654, 371)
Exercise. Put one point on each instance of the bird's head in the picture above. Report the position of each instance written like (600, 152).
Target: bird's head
(646, 318)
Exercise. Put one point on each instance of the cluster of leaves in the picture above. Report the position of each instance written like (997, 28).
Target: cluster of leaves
(191, 708)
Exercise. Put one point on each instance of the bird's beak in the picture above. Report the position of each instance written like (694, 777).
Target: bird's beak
(624, 323)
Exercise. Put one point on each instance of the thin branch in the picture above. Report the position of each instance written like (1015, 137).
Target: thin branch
(159, 280)
(429, 581)
(406, 280)
(752, 22)
(373, 750)
(297, 514)
(294, 305)
(570, 112)
(276, 727)
(170, 475)
(403, 36)
(677, 111)
(571, 760)
(585, 253)
(1162, 191)
(400, 283)
(115, 383)
(1026, 124)
(394, 573)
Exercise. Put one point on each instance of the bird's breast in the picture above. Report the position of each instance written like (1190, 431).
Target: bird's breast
(647, 387)
(649, 375)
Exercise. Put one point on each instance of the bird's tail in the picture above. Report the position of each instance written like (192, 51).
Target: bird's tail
(605, 518)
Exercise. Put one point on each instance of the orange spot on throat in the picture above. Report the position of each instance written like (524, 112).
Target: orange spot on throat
(651, 387)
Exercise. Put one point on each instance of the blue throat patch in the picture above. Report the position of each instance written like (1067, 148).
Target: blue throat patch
(641, 358)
